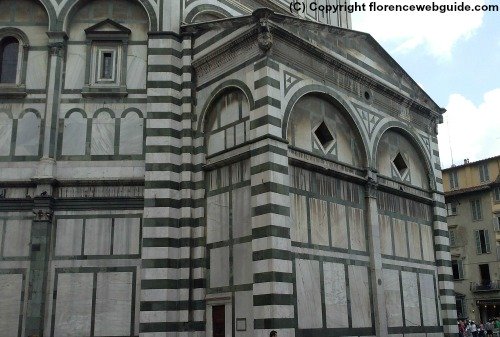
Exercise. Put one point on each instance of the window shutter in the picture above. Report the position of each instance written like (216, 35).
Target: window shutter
(460, 269)
(478, 242)
(473, 210)
(478, 210)
(496, 222)
(487, 241)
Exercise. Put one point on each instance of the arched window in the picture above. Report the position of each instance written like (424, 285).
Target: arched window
(9, 55)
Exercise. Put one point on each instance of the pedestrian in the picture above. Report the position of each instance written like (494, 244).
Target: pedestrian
(273, 334)
(489, 328)
(461, 328)
(481, 332)
(473, 329)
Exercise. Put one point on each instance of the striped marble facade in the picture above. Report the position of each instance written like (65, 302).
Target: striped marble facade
(253, 172)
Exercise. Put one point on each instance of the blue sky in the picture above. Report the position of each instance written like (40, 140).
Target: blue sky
(455, 57)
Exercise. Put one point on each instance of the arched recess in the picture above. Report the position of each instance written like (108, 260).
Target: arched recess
(399, 155)
(227, 123)
(71, 7)
(328, 129)
(74, 133)
(219, 90)
(103, 133)
(206, 12)
(28, 133)
(131, 132)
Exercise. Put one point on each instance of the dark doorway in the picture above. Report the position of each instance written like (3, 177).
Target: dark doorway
(218, 321)
(484, 269)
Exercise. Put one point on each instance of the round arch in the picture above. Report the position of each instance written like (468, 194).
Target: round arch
(30, 110)
(76, 110)
(99, 111)
(51, 13)
(409, 135)
(217, 92)
(205, 9)
(334, 98)
(72, 6)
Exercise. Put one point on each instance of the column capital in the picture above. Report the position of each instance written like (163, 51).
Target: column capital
(371, 184)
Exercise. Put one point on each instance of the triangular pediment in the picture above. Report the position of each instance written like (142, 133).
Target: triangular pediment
(351, 49)
(107, 26)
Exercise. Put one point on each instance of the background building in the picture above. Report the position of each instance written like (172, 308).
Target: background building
(472, 193)
(204, 168)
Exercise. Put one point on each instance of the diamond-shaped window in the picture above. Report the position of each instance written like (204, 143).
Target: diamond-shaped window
(324, 136)
(400, 164)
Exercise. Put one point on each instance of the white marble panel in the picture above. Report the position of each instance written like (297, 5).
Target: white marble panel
(239, 133)
(229, 137)
(5, 134)
(335, 295)
(97, 236)
(219, 267)
(69, 237)
(427, 242)
(75, 67)
(385, 234)
(428, 299)
(338, 223)
(17, 238)
(131, 134)
(319, 221)
(74, 135)
(410, 299)
(10, 303)
(414, 240)
(136, 67)
(357, 228)
(113, 304)
(28, 135)
(359, 292)
(298, 218)
(229, 112)
(392, 291)
(215, 142)
(36, 73)
(218, 217)
(103, 134)
(126, 236)
(242, 220)
(242, 263)
(243, 302)
(308, 294)
(400, 241)
(73, 305)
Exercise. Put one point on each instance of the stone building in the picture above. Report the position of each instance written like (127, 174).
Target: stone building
(472, 194)
(209, 168)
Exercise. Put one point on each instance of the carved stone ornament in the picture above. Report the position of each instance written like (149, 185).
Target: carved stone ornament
(56, 49)
(371, 187)
(43, 215)
(265, 37)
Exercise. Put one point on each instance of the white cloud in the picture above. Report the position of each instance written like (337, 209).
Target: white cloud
(404, 32)
(473, 131)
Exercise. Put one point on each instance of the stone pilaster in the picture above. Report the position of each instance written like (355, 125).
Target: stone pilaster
(39, 262)
(373, 227)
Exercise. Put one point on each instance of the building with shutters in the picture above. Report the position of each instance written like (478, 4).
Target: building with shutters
(472, 193)
(214, 168)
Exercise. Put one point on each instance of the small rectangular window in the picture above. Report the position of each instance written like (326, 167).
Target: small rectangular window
(496, 222)
(451, 208)
(453, 240)
(483, 173)
(497, 193)
(476, 209)
(482, 241)
(107, 66)
(453, 179)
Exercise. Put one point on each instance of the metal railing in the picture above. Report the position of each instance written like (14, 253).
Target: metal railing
(485, 286)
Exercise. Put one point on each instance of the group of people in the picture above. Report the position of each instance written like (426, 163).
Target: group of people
(472, 329)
